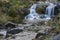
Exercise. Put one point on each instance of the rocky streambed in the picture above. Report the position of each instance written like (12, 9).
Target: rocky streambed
(31, 31)
(27, 35)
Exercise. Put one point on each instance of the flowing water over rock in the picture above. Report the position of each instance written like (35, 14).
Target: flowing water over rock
(33, 15)
(50, 10)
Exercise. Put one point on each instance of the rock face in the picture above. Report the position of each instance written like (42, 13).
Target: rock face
(57, 37)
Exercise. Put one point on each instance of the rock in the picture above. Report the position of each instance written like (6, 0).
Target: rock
(40, 9)
(10, 25)
(22, 12)
(26, 35)
(1, 26)
(14, 31)
(40, 34)
(57, 37)
(56, 10)
(9, 32)
(45, 29)
(3, 33)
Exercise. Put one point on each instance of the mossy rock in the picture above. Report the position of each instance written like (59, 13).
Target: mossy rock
(41, 9)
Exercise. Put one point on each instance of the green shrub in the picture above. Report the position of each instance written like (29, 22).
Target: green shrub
(3, 19)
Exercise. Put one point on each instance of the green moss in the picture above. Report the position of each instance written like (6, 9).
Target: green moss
(41, 9)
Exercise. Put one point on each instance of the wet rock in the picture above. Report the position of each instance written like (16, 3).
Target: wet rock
(3, 33)
(10, 25)
(56, 10)
(40, 34)
(57, 37)
(1, 26)
(14, 31)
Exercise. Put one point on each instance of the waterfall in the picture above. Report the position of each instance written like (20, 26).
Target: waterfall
(32, 15)
(50, 10)
(47, 16)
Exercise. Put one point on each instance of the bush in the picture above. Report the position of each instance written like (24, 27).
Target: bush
(3, 19)
(13, 9)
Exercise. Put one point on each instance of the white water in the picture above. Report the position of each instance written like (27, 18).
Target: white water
(33, 15)
(50, 10)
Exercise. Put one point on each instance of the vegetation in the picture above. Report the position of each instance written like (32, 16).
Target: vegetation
(13, 9)
(16, 10)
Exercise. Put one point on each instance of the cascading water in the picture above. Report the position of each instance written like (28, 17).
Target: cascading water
(47, 16)
(50, 11)
(33, 14)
